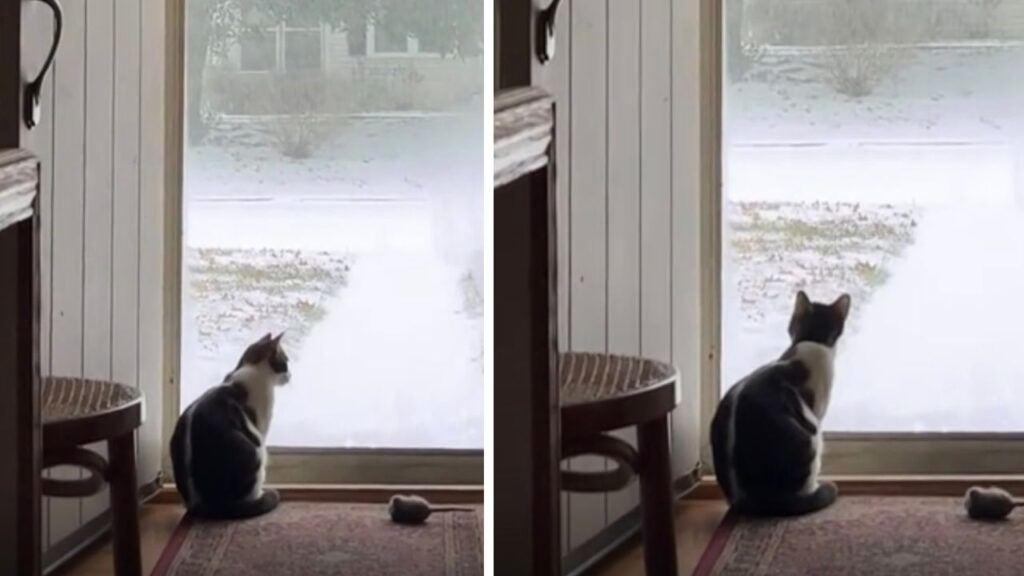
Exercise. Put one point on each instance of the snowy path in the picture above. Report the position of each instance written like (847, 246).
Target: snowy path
(389, 365)
(942, 342)
(394, 363)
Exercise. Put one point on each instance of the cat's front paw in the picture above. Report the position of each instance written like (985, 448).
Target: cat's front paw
(271, 498)
(829, 491)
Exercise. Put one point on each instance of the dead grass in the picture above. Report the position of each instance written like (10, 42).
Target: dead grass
(236, 290)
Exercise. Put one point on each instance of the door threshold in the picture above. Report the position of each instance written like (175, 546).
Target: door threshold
(896, 485)
(354, 493)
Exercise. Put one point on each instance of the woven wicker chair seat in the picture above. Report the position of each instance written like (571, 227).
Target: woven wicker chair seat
(75, 398)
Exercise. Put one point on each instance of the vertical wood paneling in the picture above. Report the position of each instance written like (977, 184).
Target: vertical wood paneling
(152, 19)
(98, 206)
(627, 87)
(624, 185)
(588, 222)
(89, 145)
(560, 85)
(688, 225)
(68, 219)
(656, 169)
(37, 22)
(125, 220)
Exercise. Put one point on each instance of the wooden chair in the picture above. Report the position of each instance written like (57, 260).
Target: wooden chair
(605, 392)
(76, 412)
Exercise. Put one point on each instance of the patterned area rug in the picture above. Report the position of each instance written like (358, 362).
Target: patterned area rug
(317, 539)
(868, 536)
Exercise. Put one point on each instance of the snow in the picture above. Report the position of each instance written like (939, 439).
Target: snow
(934, 335)
(396, 360)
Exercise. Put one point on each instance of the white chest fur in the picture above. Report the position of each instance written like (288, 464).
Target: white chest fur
(820, 362)
(259, 386)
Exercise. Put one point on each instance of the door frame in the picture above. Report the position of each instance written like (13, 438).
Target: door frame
(289, 465)
(21, 443)
(848, 453)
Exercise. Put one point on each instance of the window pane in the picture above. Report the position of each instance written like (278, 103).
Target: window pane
(302, 50)
(874, 147)
(258, 51)
(312, 205)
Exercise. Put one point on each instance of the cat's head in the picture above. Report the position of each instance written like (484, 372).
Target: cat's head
(268, 354)
(817, 322)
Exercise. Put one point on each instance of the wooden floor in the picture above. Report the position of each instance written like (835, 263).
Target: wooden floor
(156, 524)
(695, 523)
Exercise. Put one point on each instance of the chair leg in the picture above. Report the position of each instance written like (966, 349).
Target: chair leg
(124, 505)
(656, 498)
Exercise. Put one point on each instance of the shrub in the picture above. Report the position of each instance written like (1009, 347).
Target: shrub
(296, 137)
(297, 100)
(862, 59)
(856, 71)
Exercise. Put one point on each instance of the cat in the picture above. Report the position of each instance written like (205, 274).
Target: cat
(766, 436)
(218, 449)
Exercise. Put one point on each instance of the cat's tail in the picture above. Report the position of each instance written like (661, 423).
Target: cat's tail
(791, 505)
(240, 509)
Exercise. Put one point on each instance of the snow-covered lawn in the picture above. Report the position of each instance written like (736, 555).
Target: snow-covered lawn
(369, 253)
(775, 248)
(236, 289)
(912, 200)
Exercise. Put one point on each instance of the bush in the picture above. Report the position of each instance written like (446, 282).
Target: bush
(299, 99)
(856, 71)
(296, 137)
(862, 57)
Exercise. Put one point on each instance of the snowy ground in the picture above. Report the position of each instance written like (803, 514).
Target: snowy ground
(384, 227)
(919, 192)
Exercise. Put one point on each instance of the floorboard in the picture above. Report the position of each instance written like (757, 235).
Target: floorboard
(696, 521)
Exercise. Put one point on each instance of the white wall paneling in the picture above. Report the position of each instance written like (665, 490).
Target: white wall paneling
(627, 82)
(588, 223)
(97, 232)
(101, 146)
(66, 261)
(623, 202)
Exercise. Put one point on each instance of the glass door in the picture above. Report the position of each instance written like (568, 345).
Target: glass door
(876, 147)
(332, 189)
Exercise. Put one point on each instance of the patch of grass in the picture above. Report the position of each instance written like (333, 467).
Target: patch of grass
(777, 248)
(237, 293)
(871, 274)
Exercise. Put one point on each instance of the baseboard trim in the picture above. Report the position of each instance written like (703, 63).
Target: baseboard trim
(586, 557)
(90, 533)
(368, 494)
(948, 486)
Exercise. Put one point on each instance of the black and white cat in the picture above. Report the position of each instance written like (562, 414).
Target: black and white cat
(766, 434)
(219, 447)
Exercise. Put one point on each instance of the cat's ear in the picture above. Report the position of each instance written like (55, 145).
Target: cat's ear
(277, 339)
(266, 338)
(803, 304)
(842, 306)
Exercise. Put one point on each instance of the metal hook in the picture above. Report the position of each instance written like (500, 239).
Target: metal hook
(546, 33)
(33, 109)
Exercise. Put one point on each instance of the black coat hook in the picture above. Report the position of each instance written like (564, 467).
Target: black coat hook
(546, 33)
(33, 108)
